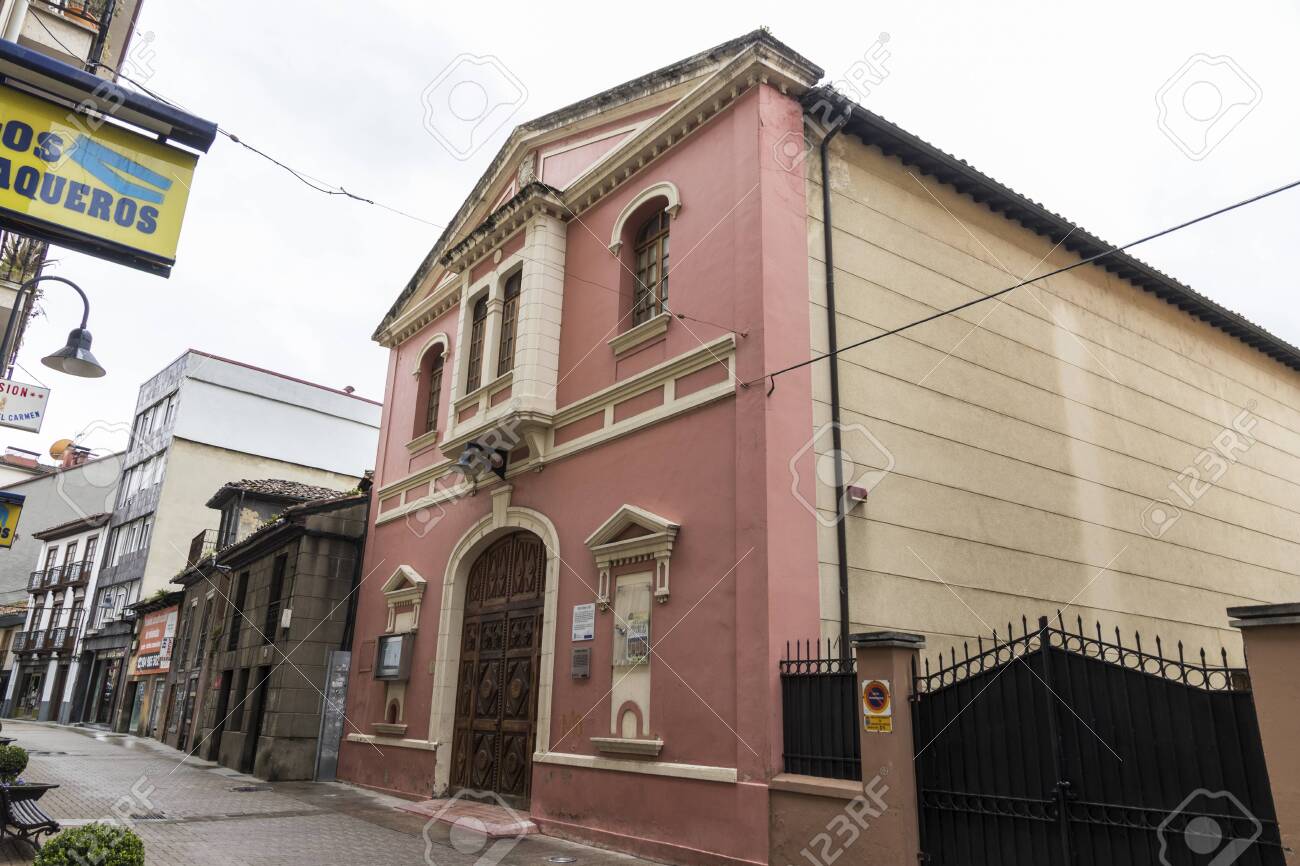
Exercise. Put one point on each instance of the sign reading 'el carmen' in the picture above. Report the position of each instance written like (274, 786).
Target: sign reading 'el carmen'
(86, 179)
(22, 406)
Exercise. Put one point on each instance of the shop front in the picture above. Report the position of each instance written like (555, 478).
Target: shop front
(146, 685)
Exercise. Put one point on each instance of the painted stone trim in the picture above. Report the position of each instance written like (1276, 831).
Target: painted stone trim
(699, 772)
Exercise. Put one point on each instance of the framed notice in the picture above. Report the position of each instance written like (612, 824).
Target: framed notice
(584, 621)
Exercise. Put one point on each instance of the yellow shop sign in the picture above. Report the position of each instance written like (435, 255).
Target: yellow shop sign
(11, 506)
(88, 184)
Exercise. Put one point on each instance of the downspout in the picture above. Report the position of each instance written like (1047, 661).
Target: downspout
(350, 623)
(832, 346)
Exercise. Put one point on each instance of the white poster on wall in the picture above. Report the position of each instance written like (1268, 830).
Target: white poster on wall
(584, 621)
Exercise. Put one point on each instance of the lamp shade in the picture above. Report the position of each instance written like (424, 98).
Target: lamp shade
(75, 358)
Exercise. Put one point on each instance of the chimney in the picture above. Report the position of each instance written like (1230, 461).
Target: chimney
(75, 455)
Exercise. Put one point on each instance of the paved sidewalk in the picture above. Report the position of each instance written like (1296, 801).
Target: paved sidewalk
(195, 813)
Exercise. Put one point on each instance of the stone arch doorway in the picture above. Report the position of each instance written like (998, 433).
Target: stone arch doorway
(498, 679)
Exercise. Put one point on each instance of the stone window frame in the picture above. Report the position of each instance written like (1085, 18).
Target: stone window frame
(406, 586)
(656, 545)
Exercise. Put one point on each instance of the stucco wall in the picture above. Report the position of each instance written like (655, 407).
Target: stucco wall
(218, 398)
(51, 500)
(195, 472)
(742, 571)
(1029, 436)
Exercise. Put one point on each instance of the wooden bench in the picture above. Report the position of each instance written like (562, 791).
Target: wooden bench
(22, 818)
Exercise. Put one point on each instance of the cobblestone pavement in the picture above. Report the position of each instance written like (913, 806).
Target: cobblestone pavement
(192, 812)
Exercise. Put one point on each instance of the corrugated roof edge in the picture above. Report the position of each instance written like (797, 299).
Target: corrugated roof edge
(893, 140)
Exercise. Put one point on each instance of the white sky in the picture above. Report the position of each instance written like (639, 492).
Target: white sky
(1058, 105)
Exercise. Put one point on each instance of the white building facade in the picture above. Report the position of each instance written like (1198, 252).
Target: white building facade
(48, 648)
(201, 422)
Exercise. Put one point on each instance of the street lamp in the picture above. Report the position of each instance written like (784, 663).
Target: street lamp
(74, 358)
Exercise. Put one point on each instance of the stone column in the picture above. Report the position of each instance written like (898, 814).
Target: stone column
(884, 658)
(1271, 633)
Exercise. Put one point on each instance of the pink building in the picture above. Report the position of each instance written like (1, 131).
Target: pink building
(588, 620)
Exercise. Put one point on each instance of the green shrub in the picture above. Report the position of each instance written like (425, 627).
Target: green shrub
(13, 760)
(97, 844)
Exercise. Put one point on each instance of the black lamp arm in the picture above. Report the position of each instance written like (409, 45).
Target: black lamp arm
(25, 290)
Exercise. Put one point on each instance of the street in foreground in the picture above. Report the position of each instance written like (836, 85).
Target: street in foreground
(211, 815)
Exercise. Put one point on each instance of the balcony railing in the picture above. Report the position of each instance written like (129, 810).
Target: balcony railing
(78, 573)
(91, 11)
(21, 639)
(202, 544)
(35, 581)
(36, 641)
(64, 638)
(52, 576)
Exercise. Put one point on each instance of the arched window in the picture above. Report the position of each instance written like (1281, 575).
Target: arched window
(433, 388)
(650, 257)
(474, 376)
(509, 324)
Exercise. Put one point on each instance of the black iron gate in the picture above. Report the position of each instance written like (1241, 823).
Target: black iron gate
(1056, 748)
(819, 712)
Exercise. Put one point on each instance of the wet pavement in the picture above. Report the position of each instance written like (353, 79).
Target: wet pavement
(196, 813)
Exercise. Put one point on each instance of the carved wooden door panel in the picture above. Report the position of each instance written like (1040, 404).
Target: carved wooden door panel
(496, 693)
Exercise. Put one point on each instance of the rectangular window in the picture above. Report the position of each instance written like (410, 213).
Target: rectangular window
(474, 376)
(237, 610)
(51, 556)
(272, 624)
(204, 624)
(181, 658)
(434, 392)
(509, 325)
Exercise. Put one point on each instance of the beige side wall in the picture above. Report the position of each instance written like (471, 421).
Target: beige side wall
(1023, 461)
(194, 473)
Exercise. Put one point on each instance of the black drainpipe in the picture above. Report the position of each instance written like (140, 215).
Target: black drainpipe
(832, 346)
(350, 622)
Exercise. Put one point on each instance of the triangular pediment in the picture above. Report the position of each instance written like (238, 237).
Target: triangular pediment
(582, 151)
(629, 523)
(404, 579)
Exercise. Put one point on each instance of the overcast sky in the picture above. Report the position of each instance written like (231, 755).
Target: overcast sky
(1059, 104)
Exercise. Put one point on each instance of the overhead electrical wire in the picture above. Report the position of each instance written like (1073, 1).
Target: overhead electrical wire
(302, 177)
(948, 312)
(338, 190)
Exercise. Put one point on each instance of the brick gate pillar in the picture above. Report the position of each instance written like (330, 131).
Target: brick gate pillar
(1271, 633)
(884, 718)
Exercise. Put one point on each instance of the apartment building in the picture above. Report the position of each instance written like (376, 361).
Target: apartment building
(81, 484)
(265, 618)
(41, 684)
(198, 423)
(13, 618)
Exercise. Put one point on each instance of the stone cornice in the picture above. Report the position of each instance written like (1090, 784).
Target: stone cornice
(772, 61)
(503, 223)
(442, 299)
(758, 64)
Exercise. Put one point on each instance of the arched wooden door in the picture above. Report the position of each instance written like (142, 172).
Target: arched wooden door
(496, 692)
